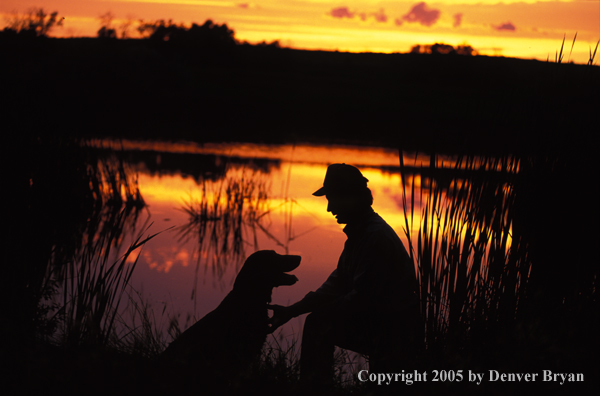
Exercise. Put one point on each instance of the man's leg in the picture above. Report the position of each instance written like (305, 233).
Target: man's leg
(316, 359)
(323, 330)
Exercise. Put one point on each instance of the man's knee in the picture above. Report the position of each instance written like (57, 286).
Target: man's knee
(318, 322)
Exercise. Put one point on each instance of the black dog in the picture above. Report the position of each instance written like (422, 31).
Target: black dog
(228, 339)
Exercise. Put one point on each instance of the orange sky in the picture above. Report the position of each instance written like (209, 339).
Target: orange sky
(525, 29)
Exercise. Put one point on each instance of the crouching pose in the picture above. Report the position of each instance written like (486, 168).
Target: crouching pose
(369, 304)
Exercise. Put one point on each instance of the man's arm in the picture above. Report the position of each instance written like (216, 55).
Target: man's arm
(328, 292)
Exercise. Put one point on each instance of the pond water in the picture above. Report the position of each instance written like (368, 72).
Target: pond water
(185, 275)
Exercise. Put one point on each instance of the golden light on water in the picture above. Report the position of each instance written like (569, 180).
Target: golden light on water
(260, 197)
(288, 187)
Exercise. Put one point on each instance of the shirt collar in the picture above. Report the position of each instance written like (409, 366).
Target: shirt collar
(358, 226)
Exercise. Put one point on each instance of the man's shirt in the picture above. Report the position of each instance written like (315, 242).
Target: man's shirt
(374, 275)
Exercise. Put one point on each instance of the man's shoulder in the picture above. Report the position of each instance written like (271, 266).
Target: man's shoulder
(377, 223)
(378, 227)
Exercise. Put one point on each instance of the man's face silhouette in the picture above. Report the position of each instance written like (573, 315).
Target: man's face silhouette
(343, 206)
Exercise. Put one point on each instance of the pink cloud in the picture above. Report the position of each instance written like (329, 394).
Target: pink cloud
(506, 26)
(344, 12)
(457, 20)
(380, 16)
(243, 5)
(422, 14)
(341, 12)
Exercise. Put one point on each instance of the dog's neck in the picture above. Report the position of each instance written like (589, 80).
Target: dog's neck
(251, 296)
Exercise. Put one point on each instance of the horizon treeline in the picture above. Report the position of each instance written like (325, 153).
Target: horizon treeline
(37, 23)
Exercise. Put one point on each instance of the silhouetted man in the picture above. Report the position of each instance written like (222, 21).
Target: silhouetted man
(369, 302)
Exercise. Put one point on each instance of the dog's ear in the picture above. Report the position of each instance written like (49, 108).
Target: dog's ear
(270, 261)
(267, 265)
(254, 268)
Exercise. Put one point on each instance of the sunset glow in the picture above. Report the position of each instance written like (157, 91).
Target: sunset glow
(524, 29)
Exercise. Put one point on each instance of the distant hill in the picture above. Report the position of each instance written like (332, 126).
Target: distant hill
(144, 89)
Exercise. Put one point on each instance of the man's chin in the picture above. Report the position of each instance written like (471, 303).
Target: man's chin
(341, 221)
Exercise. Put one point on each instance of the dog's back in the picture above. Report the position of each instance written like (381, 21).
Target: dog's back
(230, 335)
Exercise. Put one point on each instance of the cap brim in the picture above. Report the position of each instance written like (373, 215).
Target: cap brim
(320, 192)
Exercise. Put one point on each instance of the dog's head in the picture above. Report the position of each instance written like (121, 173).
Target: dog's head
(266, 269)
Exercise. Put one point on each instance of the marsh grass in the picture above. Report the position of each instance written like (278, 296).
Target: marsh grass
(75, 203)
(559, 55)
(280, 358)
(592, 55)
(222, 221)
(280, 364)
(471, 267)
(92, 290)
(141, 329)
(89, 282)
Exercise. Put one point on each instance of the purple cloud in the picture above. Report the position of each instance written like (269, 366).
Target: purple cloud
(457, 20)
(344, 12)
(341, 12)
(380, 16)
(422, 14)
(505, 26)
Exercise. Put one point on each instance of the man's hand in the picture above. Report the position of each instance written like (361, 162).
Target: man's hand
(281, 315)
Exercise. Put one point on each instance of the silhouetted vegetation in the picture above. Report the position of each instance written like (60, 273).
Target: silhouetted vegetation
(68, 200)
(502, 279)
(503, 283)
(223, 219)
(443, 49)
(212, 89)
(36, 22)
(206, 36)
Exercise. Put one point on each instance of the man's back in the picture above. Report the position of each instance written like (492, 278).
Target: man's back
(374, 274)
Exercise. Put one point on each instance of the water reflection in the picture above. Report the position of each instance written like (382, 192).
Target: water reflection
(467, 227)
(233, 207)
(80, 207)
(187, 160)
(223, 219)
(90, 282)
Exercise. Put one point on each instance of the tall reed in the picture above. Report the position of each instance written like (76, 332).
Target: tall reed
(92, 291)
(140, 330)
(471, 267)
(222, 220)
(69, 197)
(559, 55)
(592, 55)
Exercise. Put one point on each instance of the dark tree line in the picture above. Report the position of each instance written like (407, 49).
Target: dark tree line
(36, 22)
(443, 49)
(208, 35)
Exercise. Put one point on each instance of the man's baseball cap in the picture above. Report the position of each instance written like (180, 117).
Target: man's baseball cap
(342, 179)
